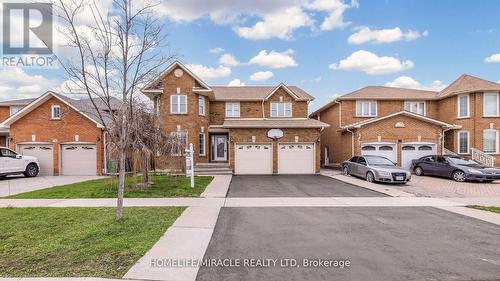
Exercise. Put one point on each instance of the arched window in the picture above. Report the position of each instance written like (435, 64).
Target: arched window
(425, 147)
(408, 147)
(385, 147)
(368, 147)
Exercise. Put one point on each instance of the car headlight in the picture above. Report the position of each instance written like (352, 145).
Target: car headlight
(475, 171)
(384, 173)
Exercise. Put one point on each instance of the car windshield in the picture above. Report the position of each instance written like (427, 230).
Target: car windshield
(462, 161)
(378, 161)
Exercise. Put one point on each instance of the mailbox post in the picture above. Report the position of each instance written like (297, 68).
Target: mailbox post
(190, 163)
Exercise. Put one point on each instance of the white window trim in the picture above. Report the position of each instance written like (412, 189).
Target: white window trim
(496, 138)
(204, 144)
(19, 107)
(201, 105)
(468, 106)
(232, 109)
(416, 101)
(178, 104)
(458, 142)
(360, 114)
(187, 142)
(52, 112)
(497, 106)
(277, 111)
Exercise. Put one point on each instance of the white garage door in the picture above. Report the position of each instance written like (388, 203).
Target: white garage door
(78, 160)
(253, 159)
(410, 151)
(387, 150)
(297, 158)
(45, 155)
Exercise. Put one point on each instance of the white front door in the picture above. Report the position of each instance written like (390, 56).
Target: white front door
(78, 160)
(253, 159)
(44, 153)
(411, 151)
(220, 147)
(296, 158)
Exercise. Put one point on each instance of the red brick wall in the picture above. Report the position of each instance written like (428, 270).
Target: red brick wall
(4, 113)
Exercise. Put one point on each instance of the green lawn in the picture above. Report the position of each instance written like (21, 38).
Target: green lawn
(77, 242)
(485, 208)
(163, 186)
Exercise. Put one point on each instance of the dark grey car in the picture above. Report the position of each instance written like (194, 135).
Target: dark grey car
(454, 167)
(375, 169)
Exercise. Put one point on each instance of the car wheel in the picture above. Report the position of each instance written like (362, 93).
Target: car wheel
(31, 171)
(345, 171)
(370, 177)
(458, 176)
(418, 171)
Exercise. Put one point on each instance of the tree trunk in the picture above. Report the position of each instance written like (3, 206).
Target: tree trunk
(145, 168)
(121, 184)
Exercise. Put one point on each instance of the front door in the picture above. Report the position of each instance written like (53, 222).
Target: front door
(220, 147)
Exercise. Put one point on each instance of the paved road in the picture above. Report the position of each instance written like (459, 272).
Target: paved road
(382, 243)
(295, 186)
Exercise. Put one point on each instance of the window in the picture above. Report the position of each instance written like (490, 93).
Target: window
(490, 141)
(366, 108)
(362, 161)
(201, 105)
(463, 142)
(354, 159)
(424, 147)
(202, 144)
(158, 105)
(490, 105)
(463, 106)
(281, 109)
(232, 109)
(8, 153)
(417, 107)
(408, 147)
(178, 104)
(14, 109)
(386, 147)
(368, 147)
(180, 143)
(56, 112)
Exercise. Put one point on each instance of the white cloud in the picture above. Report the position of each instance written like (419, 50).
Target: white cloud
(228, 60)
(236, 82)
(493, 58)
(335, 12)
(261, 75)
(314, 80)
(409, 82)
(207, 73)
(217, 50)
(372, 64)
(280, 25)
(17, 84)
(380, 36)
(274, 59)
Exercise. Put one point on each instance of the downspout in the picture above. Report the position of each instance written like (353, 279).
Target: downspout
(263, 113)
(352, 142)
(340, 112)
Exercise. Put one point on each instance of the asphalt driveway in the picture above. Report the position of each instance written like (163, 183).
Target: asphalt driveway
(295, 186)
(381, 243)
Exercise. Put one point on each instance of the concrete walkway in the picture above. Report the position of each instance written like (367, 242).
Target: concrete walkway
(218, 187)
(13, 185)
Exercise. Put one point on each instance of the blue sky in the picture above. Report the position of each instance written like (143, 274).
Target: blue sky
(436, 42)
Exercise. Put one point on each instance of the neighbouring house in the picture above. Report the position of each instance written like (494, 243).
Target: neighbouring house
(63, 133)
(249, 129)
(404, 124)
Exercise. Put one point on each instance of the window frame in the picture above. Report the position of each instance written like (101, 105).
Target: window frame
(408, 104)
(284, 109)
(201, 105)
(19, 108)
(178, 109)
(468, 106)
(459, 142)
(202, 143)
(52, 116)
(496, 140)
(359, 105)
(232, 109)
(497, 105)
(180, 153)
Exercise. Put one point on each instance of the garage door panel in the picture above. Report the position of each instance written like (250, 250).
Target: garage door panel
(253, 159)
(78, 160)
(386, 150)
(296, 158)
(44, 154)
(410, 152)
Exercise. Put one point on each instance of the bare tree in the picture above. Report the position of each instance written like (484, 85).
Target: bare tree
(116, 54)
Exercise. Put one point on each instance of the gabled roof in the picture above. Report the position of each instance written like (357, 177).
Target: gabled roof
(83, 106)
(389, 93)
(406, 113)
(468, 84)
(274, 123)
(253, 93)
(284, 87)
(16, 102)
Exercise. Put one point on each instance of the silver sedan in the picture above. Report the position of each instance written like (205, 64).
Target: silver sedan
(375, 169)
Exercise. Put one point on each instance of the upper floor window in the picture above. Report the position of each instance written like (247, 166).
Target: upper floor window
(281, 109)
(463, 142)
(463, 106)
(14, 109)
(232, 109)
(490, 141)
(366, 108)
(201, 105)
(178, 104)
(417, 107)
(490, 105)
(56, 112)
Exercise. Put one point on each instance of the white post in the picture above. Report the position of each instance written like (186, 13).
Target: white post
(190, 163)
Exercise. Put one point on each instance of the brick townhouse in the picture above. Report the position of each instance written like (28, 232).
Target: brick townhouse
(404, 124)
(249, 129)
